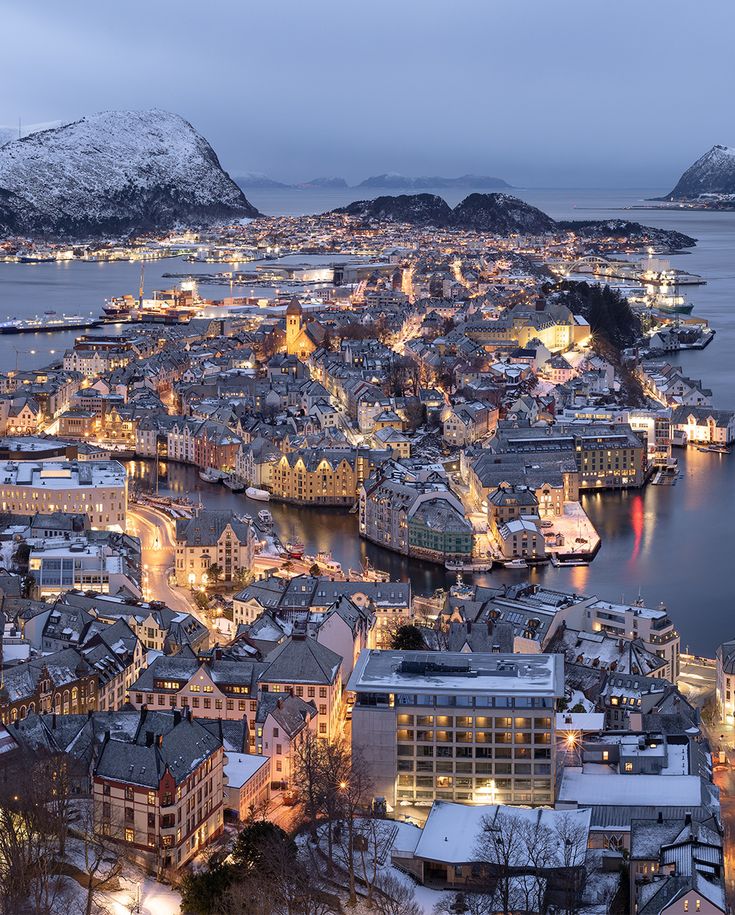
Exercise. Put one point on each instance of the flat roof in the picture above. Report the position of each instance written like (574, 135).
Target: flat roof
(608, 788)
(241, 767)
(458, 672)
(59, 475)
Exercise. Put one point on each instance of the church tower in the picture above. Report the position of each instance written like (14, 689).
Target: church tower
(294, 314)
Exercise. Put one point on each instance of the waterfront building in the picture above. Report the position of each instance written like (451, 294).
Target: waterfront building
(323, 476)
(606, 457)
(414, 517)
(98, 489)
(703, 425)
(513, 521)
(725, 661)
(160, 792)
(475, 728)
(213, 538)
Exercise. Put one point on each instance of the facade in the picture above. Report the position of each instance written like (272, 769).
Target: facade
(476, 728)
(325, 476)
(209, 539)
(725, 660)
(422, 519)
(60, 565)
(61, 682)
(98, 489)
(161, 793)
(248, 779)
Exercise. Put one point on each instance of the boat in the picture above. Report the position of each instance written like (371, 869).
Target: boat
(234, 484)
(210, 475)
(295, 549)
(265, 517)
(563, 563)
(714, 448)
(260, 495)
(516, 564)
(47, 325)
(475, 566)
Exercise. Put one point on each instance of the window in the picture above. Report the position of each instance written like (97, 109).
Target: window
(151, 797)
(130, 835)
(629, 767)
(129, 794)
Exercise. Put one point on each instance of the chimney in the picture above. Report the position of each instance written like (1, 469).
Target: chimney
(177, 717)
(688, 818)
(218, 654)
(660, 816)
(149, 738)
(53, 722)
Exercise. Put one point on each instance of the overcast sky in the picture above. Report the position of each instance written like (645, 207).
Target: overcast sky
(569, 93)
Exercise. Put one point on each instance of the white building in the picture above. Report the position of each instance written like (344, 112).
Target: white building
(98, 489)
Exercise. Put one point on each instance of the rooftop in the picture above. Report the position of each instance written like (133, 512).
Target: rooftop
(458, 672)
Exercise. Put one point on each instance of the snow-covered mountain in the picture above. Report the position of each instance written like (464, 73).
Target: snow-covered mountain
(113, 173)
(712, 173)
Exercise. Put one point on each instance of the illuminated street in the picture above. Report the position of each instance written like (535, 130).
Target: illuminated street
(156, 533)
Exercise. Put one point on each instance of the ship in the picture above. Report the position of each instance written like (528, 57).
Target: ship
(48, 325)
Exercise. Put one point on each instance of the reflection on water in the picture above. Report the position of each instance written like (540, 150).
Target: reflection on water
(654, 543)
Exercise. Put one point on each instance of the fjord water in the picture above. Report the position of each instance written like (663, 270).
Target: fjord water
(669, 543)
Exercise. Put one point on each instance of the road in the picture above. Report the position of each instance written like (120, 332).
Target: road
(156, 533)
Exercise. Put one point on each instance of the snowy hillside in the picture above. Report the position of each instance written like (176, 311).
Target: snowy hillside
(712, 173)
(114, 172)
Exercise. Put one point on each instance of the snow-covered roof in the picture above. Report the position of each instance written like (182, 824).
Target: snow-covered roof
(601, 786)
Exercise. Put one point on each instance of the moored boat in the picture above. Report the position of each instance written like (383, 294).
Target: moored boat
(260, 495)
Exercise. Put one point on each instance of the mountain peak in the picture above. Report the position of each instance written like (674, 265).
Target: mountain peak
(712, 173)
(112, 173)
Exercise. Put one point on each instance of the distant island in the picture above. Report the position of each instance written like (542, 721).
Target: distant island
(393, 180)
(389, 181)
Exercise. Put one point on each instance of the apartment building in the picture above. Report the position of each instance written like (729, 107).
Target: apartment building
(325, 476)
(160, 794)
(219, 688)
(476, 728)
(607, 456)
(416, 518)
(388, 603)
(212, 538)
(98, 489)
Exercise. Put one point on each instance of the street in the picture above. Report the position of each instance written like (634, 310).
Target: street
(156, 533)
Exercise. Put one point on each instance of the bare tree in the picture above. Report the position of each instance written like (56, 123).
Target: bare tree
(308, 776)
(101, 857)
(538, 844)
(570, 837)
(29, 837)
(500, 845)
(355, 791)
(396, 896)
